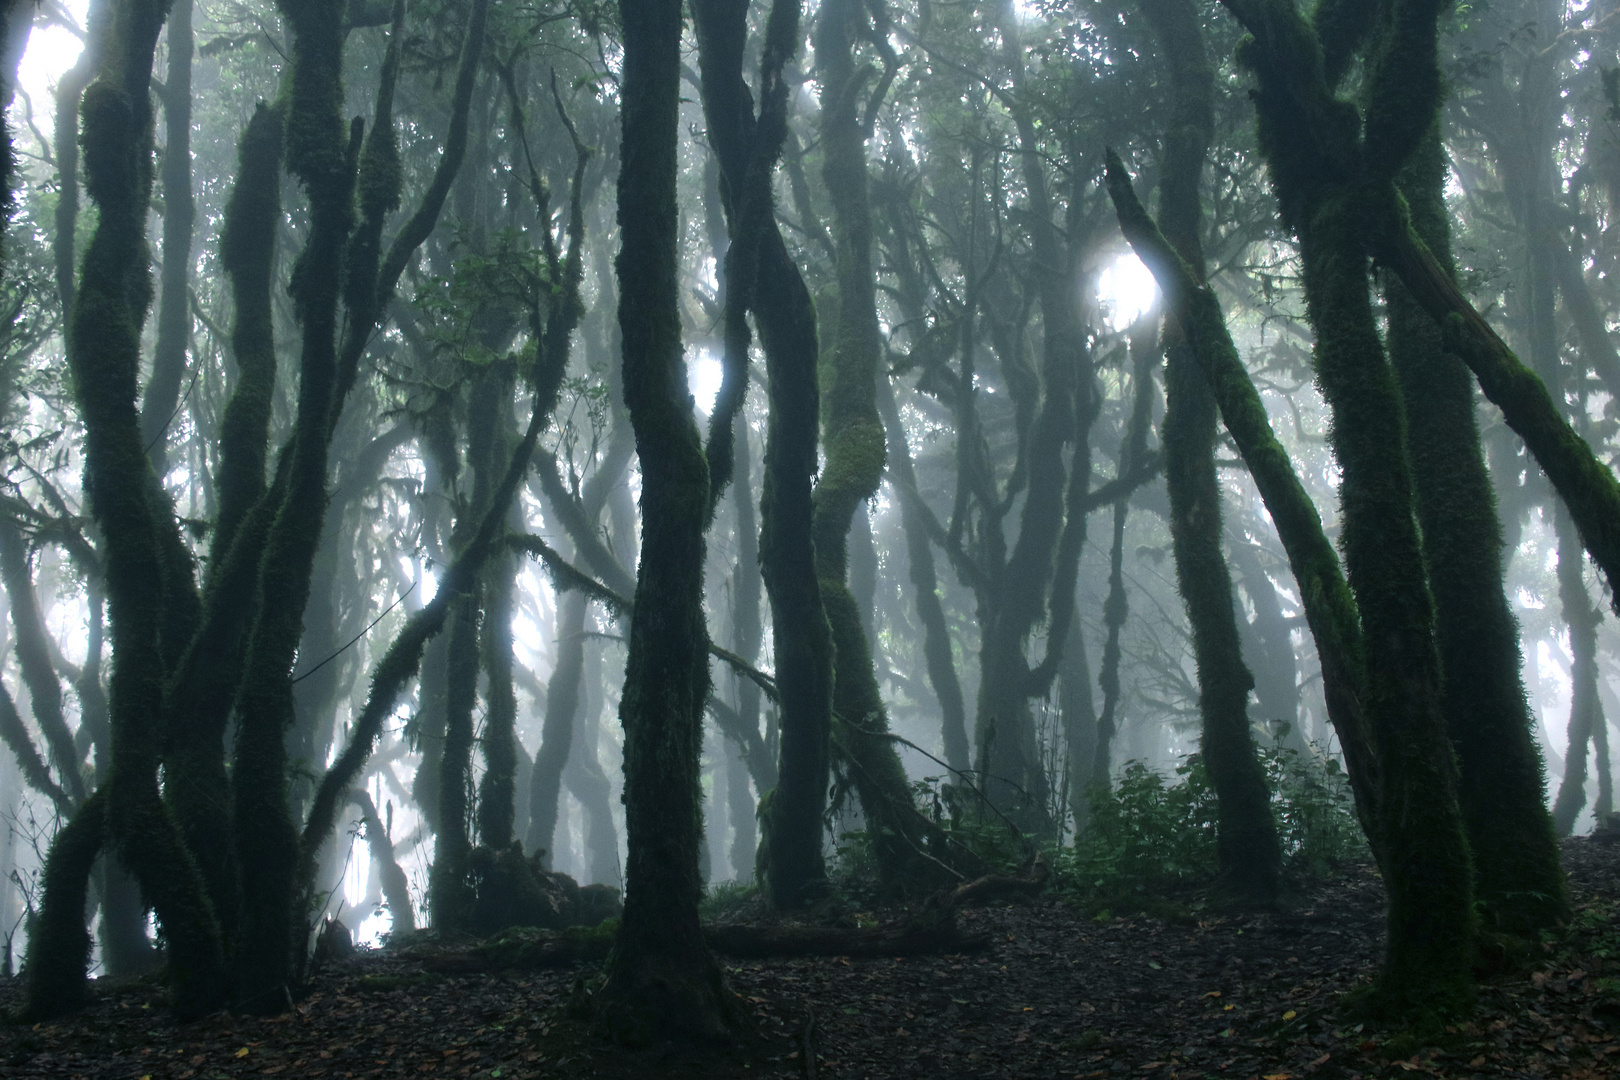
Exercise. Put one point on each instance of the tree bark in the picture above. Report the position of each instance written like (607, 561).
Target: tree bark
(937, 651)
(162, 396)
(1517, 876)
(662, 981)
(1248, 852)
(109, 308)
(853, 440)
(760, 275)
(1585, 710)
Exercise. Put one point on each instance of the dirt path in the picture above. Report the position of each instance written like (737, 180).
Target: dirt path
(1057, 995)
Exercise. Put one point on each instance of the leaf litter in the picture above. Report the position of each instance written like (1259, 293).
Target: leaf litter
(1059, 994)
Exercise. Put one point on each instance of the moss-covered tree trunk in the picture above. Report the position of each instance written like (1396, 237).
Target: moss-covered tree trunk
(319, 155)
(449, 891)
(662, 980)
(760, 275)
(1248, 852)
(1428, 869)
(1516, 867)
(497, 790)
(112, 298)
(1320, 176)
(853, 440)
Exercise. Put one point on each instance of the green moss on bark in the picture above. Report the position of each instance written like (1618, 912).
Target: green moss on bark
(59, 944)
(662, 981)
(1247, 848)
(1518, 879)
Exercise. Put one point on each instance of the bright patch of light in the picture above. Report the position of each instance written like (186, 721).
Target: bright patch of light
(1126, 290)
(373, 927)
(356, 874)
(427, 581)
(703, 373)
(51, 51)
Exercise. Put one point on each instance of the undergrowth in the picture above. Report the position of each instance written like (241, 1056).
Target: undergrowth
(1149, 844)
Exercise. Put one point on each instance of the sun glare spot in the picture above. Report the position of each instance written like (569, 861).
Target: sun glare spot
(51, 51)
(1126, 290)
(703, 374)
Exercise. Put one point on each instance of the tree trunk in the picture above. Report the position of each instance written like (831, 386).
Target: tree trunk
(449, 894)
(1144, 357)
(590, 784)
(759, 274)
(557, 729)
(747, 631)
(1516, 866)
(937, 652)
(104, 354)
(1269, 647)
(662, 981)
(1585, 711)
(854, 444)
(1248, 852)
(162, 397)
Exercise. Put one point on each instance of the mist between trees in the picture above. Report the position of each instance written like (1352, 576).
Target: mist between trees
(464, 462)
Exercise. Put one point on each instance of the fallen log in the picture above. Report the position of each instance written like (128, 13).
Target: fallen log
(934, 932)
(992, 887)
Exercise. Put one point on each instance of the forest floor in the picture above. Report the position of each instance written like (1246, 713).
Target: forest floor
(1057, 994)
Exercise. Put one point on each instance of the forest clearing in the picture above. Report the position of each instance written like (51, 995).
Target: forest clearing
(850, 538)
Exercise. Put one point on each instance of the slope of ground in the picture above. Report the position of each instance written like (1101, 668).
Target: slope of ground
(1057, 994)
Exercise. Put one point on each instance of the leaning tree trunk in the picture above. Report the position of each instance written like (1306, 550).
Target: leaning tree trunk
(661, 978)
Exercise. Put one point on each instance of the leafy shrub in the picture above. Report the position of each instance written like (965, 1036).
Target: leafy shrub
(1145, 834)
(1150, 836)
(1314, 810)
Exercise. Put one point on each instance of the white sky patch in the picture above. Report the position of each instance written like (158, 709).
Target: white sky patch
(703, 373)
(51, 51)
(1126, 290)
